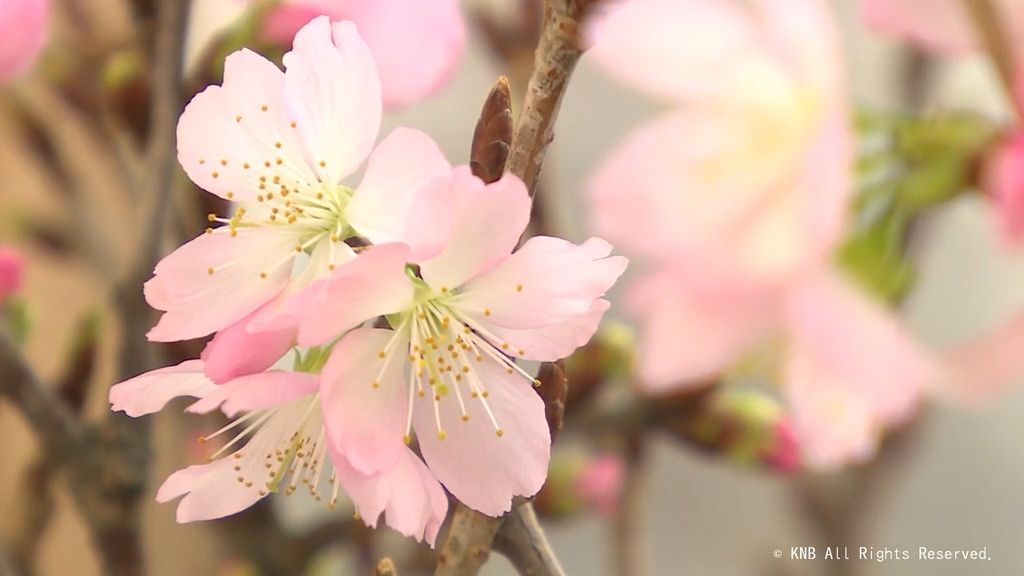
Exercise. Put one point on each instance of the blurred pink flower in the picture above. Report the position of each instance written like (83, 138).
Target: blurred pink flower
(737, 198)
(943, 26)
(23, 29)
(599, 483)
(12, 267)
(416, 45)
(1003, 180)
(277, 414)
(785, 456)
(279, 144)
(446, 368)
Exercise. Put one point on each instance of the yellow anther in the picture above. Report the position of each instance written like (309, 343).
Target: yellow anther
(441, 435)
(210, 270)
(519, 288)
(376, 385)
(487, 311)
(499, 432)
(407, 439)
(465, 417)
(264, 107)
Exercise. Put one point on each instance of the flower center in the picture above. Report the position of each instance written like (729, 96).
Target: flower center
(446, 350)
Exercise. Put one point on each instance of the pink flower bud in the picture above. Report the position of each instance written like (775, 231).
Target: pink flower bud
(23, 28)
(599, 483)
(784, 457)
(1004, 183)
(11, 270)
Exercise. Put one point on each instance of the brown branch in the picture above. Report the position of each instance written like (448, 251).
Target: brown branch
(986, 19)
(628, 539)
(467, 544)
(524, 543)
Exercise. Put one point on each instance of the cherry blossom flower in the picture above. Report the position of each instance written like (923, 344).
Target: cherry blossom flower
(23, 28)
(416, 45)
(279, 144)
(1004, 182)
(12, 268)
(740, 191)
(445, 368)
(277, 443)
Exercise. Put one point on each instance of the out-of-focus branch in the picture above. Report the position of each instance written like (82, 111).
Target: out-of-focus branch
(997, 43)
(628, 539)
(57, 428)
(524, 543)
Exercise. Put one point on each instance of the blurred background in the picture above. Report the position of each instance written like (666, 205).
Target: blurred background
(952, 482)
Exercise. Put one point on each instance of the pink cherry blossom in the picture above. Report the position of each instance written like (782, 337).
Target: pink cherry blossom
(277, 441)
(747, 174)
(12, 268)
(445, 368)
(23, 27)
(739, 194)
(416, 45)
(279, 144)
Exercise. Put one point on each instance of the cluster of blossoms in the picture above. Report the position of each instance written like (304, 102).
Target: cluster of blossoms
(402, 303)
(741, 191)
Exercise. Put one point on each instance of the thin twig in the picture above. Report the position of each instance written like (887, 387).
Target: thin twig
(522, 540)
(629, 554)
(997, 43)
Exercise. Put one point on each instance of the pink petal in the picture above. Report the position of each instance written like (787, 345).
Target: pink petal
(639, 40)
(986, 368)
(257, 392)
(692, 328)
(416, 45)
(371, 285)
(197, 302)
(12, 268)
(481, 469)
(212, 491)
(411, 498)
(238, 351)
(547, 281)
(940, 25)
(852, 372)
(364, 398)
(400, 168)
(1004, 183)
(150, 392)
(228, 134)
(488, 221)
(282, 22)
(23, 26)
(331, 86)
(549, 343)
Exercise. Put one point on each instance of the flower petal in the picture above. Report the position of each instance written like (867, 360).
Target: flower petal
(372, 284)
(481, 469)
(212, 491)
(257, 392)
(248, 270)
(487, 223)
(852, 372)
(331, 86)
(547, 281)
(400, 168)
(986, 368)
(548, 343)
(150, 392)
(939, 25)
(411, 498)
(238, 351)
(229, 136)
(364, 398)
(638, 40)
(416, 45)
(692, 329)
